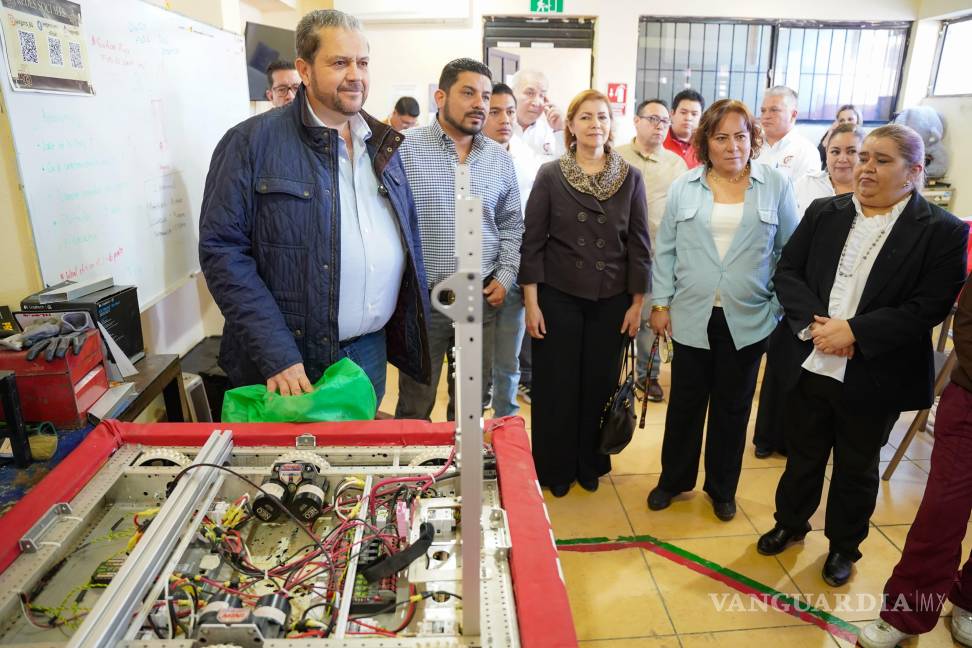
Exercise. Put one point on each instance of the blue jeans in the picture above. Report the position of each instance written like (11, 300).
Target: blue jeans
(646, 337)
(416, 400)
(510, 327)
(369, 353)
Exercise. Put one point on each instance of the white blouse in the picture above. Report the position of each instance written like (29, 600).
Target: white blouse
(811, 186)
(862, 247)
(726, 218)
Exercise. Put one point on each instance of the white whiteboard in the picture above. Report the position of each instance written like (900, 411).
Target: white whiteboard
(114, 182)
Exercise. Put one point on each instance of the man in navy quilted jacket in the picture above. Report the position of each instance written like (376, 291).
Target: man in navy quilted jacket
(308, 235)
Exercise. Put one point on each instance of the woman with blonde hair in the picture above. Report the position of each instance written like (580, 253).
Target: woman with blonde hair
(584, 270)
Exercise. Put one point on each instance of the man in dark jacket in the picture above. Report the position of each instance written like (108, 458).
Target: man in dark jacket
(308, 235)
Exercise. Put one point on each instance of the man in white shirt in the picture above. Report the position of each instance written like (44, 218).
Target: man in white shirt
(783, 147)
(539, 123)
(510, 341)
(659, 167)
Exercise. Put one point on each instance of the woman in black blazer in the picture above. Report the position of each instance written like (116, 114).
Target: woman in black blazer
(584, 271)
(863, 280)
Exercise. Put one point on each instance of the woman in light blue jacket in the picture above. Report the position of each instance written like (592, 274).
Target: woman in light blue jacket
(724, 227)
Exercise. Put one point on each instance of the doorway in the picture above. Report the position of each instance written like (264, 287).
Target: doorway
(562, 48)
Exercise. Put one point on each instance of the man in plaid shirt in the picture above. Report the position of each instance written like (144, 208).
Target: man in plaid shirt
(430, 155)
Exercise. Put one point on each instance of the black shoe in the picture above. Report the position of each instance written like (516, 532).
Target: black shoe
(559, 490)
(837, 569)
(659, 499)
(763, 451)
(590, 484)
(725, 511)
(777, 539)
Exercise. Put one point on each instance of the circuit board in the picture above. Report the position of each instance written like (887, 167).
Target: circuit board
(330, 546)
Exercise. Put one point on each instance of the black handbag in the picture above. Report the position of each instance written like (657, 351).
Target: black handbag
(618, 416)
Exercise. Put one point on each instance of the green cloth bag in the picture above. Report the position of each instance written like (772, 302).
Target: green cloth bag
(344, 393)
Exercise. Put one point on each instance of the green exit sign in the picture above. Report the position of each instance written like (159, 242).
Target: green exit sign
(547, 6)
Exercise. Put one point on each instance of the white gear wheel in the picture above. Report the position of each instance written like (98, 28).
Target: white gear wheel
(163, 454)
(428, 455)
(303, 456)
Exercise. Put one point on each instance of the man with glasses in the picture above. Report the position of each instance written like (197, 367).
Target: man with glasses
(659, 167)
(404, 115)
(283, 82)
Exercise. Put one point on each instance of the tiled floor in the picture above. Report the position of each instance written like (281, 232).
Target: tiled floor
(635, 598)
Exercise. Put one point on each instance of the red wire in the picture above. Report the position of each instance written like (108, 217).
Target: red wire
(411, 611)
(375, 629)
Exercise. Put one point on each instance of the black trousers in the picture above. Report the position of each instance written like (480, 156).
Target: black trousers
(722, 381)
(820, 421)
(771, 419)
(575, 370)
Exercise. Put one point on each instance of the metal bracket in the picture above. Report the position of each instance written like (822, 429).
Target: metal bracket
(31, 541)
(466, 311)
(498, 542)
(306, 441)
(109, 619)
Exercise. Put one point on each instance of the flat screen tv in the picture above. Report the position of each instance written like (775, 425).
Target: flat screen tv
(264, 45)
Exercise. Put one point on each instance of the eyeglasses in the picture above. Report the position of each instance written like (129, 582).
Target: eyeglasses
(657, 121)
(284, 90)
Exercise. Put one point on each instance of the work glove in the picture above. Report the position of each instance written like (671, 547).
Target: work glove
(32, 335)
(57, 347)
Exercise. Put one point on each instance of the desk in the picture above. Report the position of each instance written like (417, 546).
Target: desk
(158, 374)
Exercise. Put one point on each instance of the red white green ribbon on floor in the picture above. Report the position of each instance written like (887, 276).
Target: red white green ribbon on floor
(739, 582)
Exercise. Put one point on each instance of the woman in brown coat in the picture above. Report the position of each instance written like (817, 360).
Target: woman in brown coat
(584, 271)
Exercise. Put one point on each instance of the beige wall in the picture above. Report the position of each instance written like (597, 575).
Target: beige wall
(21, 272)
(943, 8)
(956, 111)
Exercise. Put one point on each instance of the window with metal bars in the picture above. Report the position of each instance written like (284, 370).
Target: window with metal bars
(828, 64)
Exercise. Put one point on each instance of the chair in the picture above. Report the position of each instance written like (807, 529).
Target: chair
(944, 364)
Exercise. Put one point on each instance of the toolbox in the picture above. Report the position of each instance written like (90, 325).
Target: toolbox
(60, 391)
(115, 308)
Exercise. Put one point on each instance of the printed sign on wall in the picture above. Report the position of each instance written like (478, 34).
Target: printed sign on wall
(45, 46)
(618, 96)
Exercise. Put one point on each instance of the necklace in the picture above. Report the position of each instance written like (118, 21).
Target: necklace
(842, 266)
(733, 180)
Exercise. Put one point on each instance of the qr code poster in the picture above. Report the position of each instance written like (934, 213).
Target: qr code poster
(45, 46)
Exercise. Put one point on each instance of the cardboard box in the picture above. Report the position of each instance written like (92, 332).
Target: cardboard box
(60, 391)
(116, 308)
